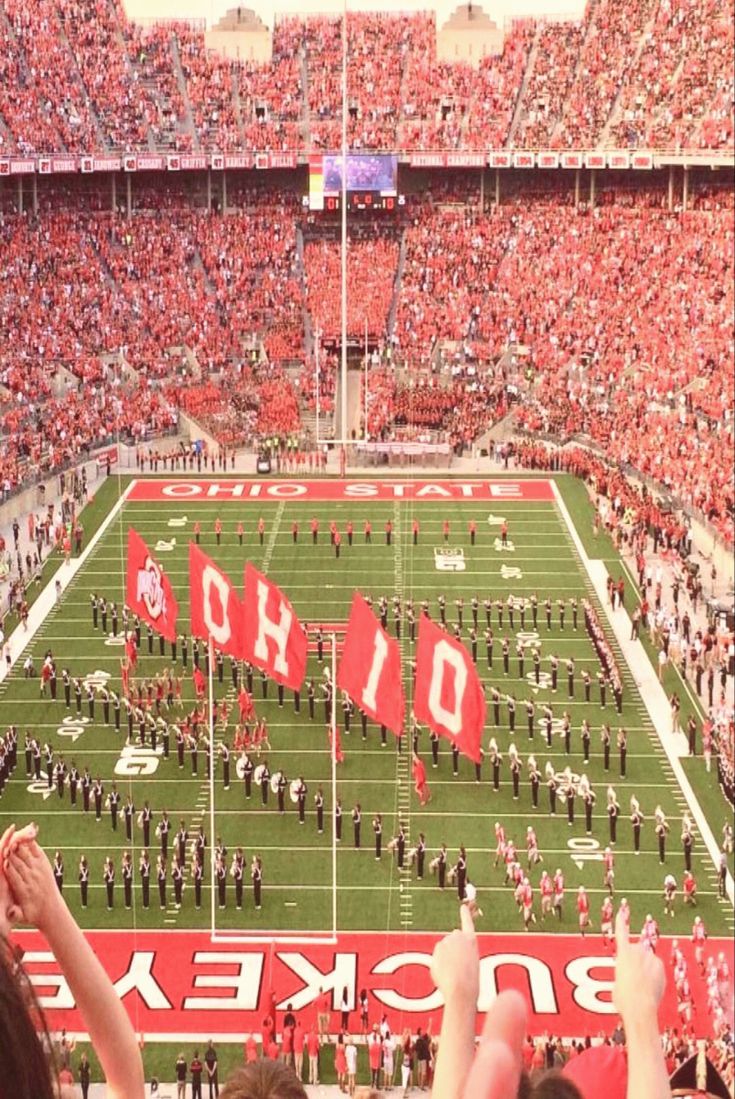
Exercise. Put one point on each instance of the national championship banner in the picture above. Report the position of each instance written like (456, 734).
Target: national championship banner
(216, 610)
(179, 985)
(448, 695)
(148, 591)
(370, 668)
(275, 640)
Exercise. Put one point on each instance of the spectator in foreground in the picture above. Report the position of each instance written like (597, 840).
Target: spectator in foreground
(263, 1079)
(28, 894)
(494, 1070)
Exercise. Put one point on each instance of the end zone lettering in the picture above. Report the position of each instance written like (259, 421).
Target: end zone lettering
(247, 491)
(180, 983)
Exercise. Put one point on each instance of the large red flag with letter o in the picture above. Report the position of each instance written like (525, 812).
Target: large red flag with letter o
(148, 591)
(370, 668)
(216, 609)
(448, 694)
(274, 638)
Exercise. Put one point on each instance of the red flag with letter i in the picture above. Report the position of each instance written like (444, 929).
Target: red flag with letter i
(148, 590)
(370, 668)
(448, 695)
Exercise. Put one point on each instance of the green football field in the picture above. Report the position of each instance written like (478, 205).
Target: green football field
(297, 861)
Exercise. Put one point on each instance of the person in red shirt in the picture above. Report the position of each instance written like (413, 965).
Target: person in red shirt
(388, 531)
(240, 532)
(690, 889)
(196, 1068)
(312, 1048)
(504, 533)
(295, 532)
(299, 1038)
(337, 542)
(197, 531)
(473, 531)
(332, 530)
(271, 1051)
(261, 529)
(251, 1050)
(415, 530)
(314, 531)
(368, 531)
(218, 529)
(350, 530)
(419, 778)
(606, 922)
(445, 530)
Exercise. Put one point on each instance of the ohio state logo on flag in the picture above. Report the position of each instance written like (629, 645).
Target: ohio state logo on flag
(448, 695)
(147, 590)
(216, 609)
(274, 638)
(370, 668)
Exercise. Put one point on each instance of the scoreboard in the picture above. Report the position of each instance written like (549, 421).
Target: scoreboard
(364, 200)
(370, 181)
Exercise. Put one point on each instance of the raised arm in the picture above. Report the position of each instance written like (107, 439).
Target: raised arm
(639, 986)
(40, 904)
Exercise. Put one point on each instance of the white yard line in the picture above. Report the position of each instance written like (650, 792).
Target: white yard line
(651, 691)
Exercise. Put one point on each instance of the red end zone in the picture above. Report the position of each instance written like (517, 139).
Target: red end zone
(259, 492)
(180, 983)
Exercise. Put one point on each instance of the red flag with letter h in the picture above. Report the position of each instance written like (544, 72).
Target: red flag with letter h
(148, 590)
(448, 695)
(274, 638)
(370, 668)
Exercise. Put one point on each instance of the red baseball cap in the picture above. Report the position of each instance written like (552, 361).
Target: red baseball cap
(598, 1065)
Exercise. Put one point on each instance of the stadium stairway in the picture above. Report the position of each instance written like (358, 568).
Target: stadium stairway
(527, 73)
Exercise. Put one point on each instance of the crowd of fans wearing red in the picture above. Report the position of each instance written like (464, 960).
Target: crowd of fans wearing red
(612, 78)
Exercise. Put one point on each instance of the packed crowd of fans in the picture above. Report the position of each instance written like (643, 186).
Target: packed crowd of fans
(614, 77)
(372, 262)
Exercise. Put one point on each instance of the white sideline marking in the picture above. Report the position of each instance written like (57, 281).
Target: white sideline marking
(20, 638)
(651, 691)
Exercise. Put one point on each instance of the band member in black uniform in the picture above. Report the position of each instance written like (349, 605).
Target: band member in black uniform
(521, 655)
(319, 806)
(551, 787)
(420, 856)
(442, 866)
(197, 873)
(86, 785)
(108, 876)
(301, 791)
(95, 609)
(83, 880)
(495, 698)
(161, 875)
(356, 822)
(98, 791)
(613, 812)
(554, 664)
(607, 737)
(495, 761)
(434, 741)
(181, 840)
(113, 799)
(547, 608)
(566, 729)
(66, 683)
(488, 605)
(265, 782)
(515, 774)
(58, 868)
(281, 792)
(247, 774)
(687, 843)
(163, 829)
(489, 641)
(586, 739)
(461, 873)
(505, 650)
(103, 617)
(127, 877)
(237, 870)
(144, 869)
(74, 780)
(662, 828)
(177, 877)
(146, 816)
(455, 760)
(149, 635)
(256, 873)
(571, 793)
(589, 804)
(338, 820)
(401, 846)
(78, 694)
(378, 830)
(623, 749)
(587, 684)
(184, 651)
(570, 676)
(530, 717)
(311, 698)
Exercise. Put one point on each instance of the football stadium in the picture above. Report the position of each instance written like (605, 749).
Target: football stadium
(367, 684)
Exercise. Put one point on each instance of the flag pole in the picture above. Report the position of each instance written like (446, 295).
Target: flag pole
(210, 662)
(334, 783)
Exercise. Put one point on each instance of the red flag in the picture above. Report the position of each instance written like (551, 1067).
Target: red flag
(216, 609)
(274, 638)
(148, 591)
(370, 668)
(448, 695)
